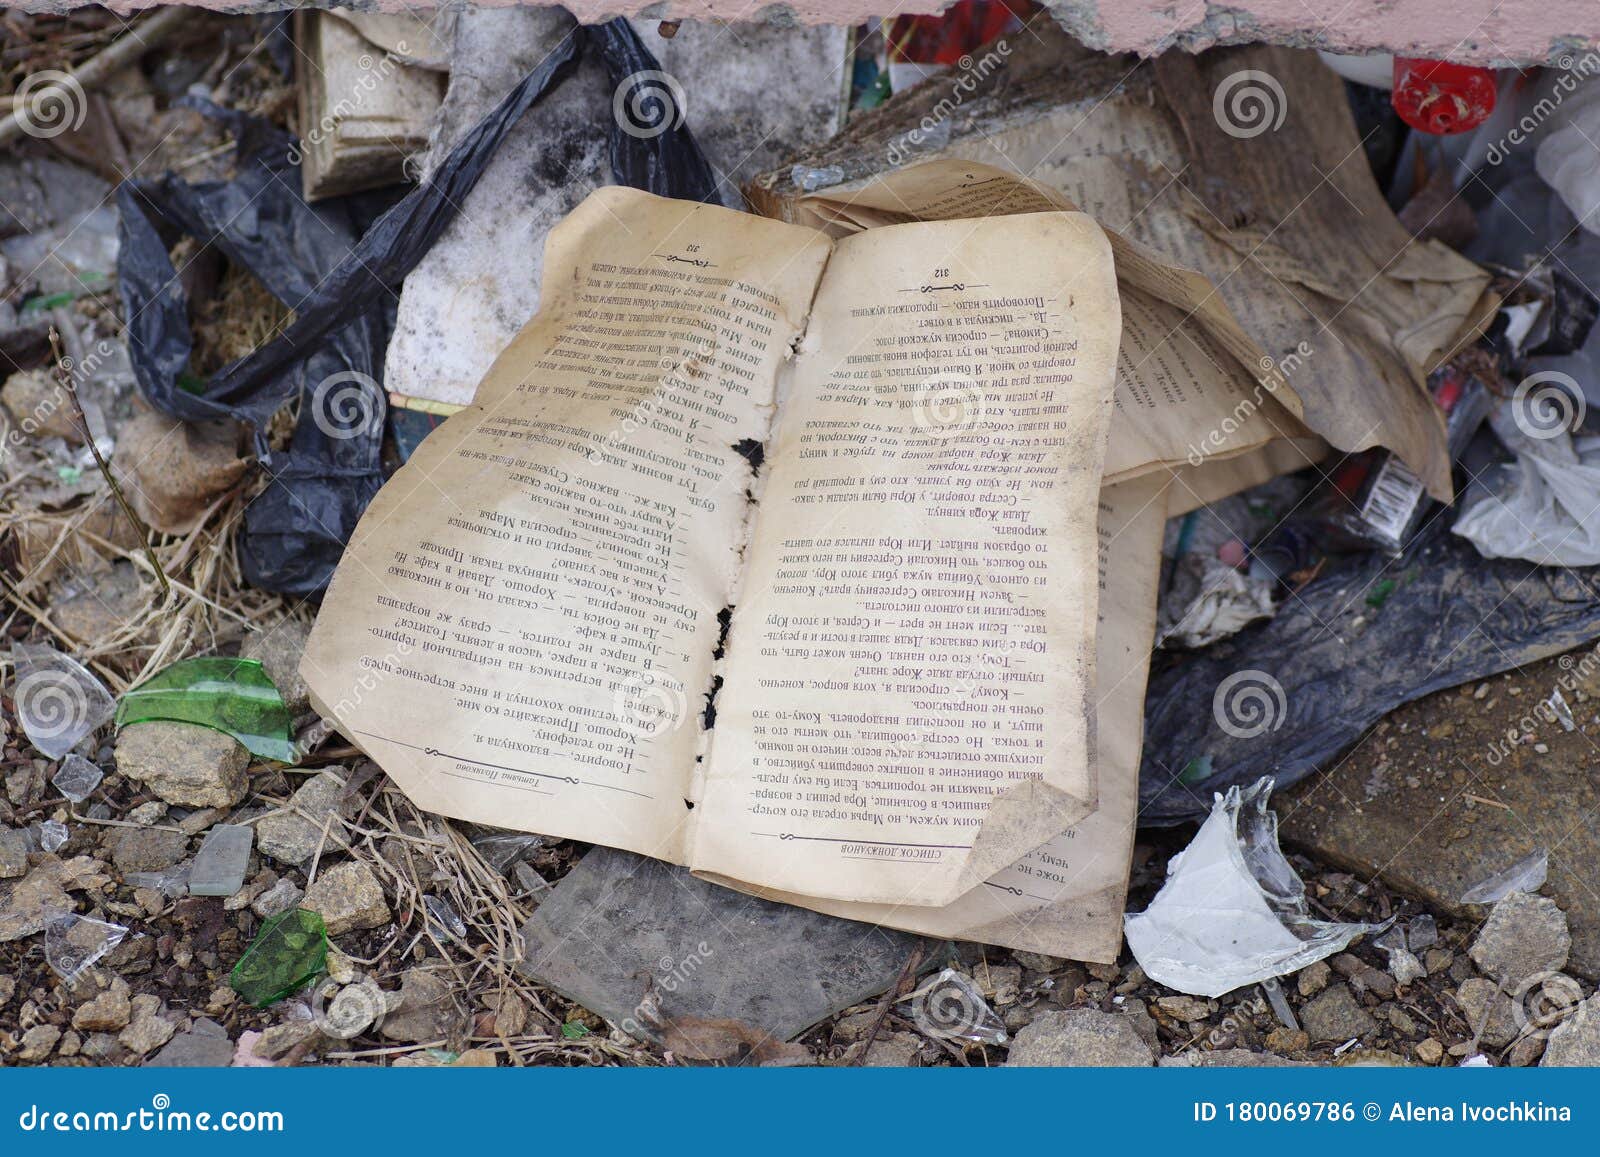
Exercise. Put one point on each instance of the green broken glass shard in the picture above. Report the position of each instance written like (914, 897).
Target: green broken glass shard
(289, 951)
(232, 695)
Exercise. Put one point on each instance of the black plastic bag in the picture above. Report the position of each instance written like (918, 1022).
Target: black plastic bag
(1286, 696)
(341, 280)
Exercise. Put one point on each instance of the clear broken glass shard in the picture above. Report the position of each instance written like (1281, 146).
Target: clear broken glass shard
(1422, 932)
(219, 866)
(950, 1006)
(52, 835)
(1558, 705)
(1526, 875)
(170, 882)
(58, 700)
(77, 778)
(73, 943)
(1232, 911)
(444, 919)
(1280, 1003)
(503, 850)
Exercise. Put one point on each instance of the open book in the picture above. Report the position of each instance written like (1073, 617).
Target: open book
(898, 628)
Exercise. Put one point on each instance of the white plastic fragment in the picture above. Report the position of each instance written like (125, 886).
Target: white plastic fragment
(1232, 911)
(73, 943)
(1526, 875)
(949, 1006)
(77, 778)
(58, 700)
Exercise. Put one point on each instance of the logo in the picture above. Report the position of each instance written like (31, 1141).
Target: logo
(1547, 404)
(649, 705)
(647, 104)
(948, 405)
(49, 103)
(347, 405)
(1249, 103)
(1249, 703)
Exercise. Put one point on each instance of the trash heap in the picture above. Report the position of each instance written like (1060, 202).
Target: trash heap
(236, 295)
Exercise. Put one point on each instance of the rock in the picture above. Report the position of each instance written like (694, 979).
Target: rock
(1524, 935)
(148, 813)
(71, 1044)
(1006, 981)
(172, 471)
(898, 1051)
(1185, 1008)
(427, 1011)
(39, 1042)
(511, 1016)
(1230, 1058)
(102, 603)
(348, 897)
(1437, 960)
(1427, 838)
(8, 989)
(282, 896)
(1483, 1004)
(1038, 962)
(1313, 978)
(1143, 1023)
(341, 969)
(279, 1040)
(278, 650)
(108, 1012)
(194, 1050)
(1405, 968)
(353, 1010)
(147, 849)
(244, 1052)
(13, 853)
(22, 902)
(1430, 1051)
(481, 1059)
(41, 406)
(293, 836)
(1525, 1052)
(1575, 1042)
(1335, 1015)
(184, 763)
(1288, 1040)
(148, 1030)
(1080, 1037)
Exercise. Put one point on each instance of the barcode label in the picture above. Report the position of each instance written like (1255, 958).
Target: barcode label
(1393, 499)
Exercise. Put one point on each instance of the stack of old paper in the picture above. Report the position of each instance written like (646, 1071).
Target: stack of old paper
(896, 671)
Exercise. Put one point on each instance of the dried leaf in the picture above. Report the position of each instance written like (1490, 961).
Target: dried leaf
(720, 1041)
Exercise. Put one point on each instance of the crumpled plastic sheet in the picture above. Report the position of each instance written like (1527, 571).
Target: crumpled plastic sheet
(1232, 912)
(1545, 506)
(1285, 697)
(341, 280)
(1526, 875)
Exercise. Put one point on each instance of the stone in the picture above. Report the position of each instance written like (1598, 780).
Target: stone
(13, 853)
(1079, 1038)
(1185, 1008)
(101, 603)
(108, 1012)
(293, 836)
(427, 1011)
(71, 1044)
(148, 1030)
(1524, 935)
(184, 763)
(1313, 978)
(149, 813)
(194, 1050)
(171, 471)
(353, 1010)
(348, 897)
(1437, 960)
(1335, 1015)
(1575, 1042)
(1230, 1058)
(41, 406)
(39, 1042)
(23, 902)
(1429, 1052)
(619, 925)
(282, 896)
(1490, 1013)
(897, 1051)
(1039, 962)
(278, 650)
(1288, 1040)
(147, 849)
(8, 989)
(1415, 833)
(279, 1040)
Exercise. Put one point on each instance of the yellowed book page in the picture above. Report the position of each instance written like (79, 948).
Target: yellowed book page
(1190, 383)
(1066, 897)
(522, 629)
(908, 703)
(1194, 486)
